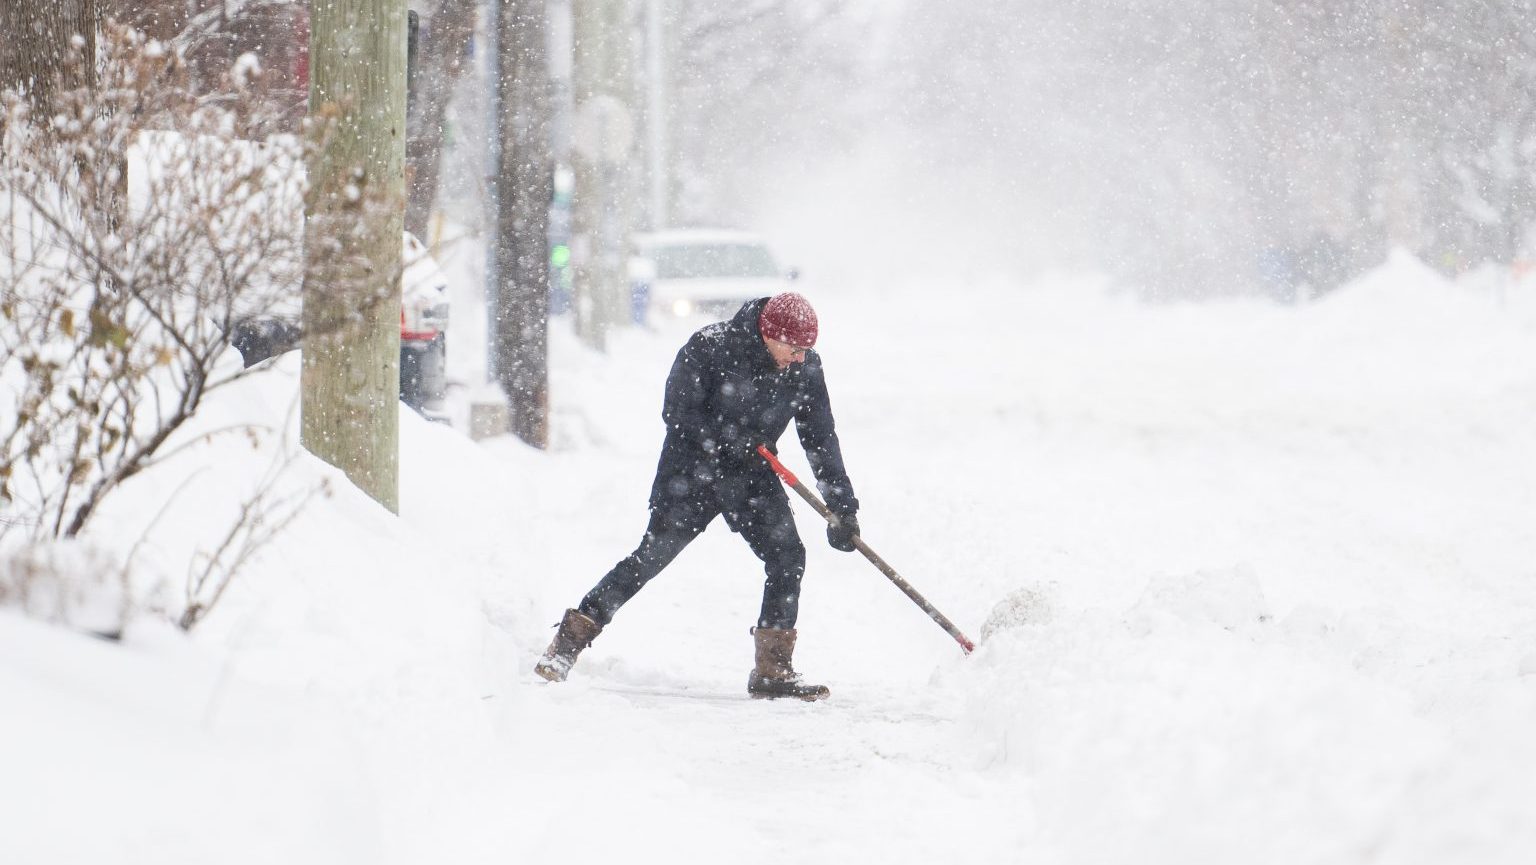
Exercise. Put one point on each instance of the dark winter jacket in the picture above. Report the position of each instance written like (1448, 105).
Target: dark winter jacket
(725, 395)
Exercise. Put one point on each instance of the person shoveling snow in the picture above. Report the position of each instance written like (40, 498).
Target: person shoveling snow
(734, 387)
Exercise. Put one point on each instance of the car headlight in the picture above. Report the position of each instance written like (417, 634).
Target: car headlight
(682, 307)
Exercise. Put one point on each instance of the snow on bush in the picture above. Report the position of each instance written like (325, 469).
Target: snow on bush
(67, 581)
(144, 221)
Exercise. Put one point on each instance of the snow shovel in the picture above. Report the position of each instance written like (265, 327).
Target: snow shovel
(788, 477)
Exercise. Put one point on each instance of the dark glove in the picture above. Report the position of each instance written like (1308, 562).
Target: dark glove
(841, 535)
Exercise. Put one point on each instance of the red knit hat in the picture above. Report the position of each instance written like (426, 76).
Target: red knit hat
(788, 317)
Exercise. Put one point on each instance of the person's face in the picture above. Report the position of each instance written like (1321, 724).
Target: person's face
(785, 354)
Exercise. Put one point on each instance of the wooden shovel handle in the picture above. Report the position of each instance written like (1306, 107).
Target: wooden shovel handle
(788, 477)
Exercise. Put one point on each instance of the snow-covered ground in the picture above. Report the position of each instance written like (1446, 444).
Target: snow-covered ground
(1272, 574)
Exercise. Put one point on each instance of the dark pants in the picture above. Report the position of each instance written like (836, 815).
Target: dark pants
(764, 520)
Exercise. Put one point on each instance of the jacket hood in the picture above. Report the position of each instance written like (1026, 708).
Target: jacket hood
(745, 319)
(744, 331)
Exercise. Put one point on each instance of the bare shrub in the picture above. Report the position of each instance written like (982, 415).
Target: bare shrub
(270, 508)
(142, 220)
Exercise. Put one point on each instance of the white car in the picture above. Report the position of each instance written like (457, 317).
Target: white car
(686, 272)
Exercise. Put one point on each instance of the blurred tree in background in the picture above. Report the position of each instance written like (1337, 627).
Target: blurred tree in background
(755, 85)
(1191, 147)
(1219, 147)
(446, 34)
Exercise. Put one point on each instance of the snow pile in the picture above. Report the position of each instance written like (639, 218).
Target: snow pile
(347, 657)
(67, 582)
(1175, 732)
(1296, 620)
(1030, 605)
(1189, 729)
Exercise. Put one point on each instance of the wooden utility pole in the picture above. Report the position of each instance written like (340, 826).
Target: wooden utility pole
(354, 212)
(602, 139)
(525, 180)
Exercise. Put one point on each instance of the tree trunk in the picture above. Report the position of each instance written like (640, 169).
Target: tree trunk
(355, 214)
(440, 63)
(36, 54)
(525, 177)
(602, 140)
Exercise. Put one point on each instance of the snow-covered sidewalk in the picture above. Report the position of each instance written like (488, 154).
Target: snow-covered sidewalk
(1285, 611)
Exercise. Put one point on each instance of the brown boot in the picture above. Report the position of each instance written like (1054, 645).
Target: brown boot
(775, 674)
(577, 631)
